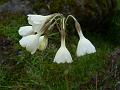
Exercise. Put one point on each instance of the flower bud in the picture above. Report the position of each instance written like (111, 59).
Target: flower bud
(30, 42)
(43, 41)
(25, 30)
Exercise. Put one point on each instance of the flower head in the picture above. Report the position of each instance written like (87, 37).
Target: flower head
(30, 42)
(85, 47)
(40, 25)
(38, 21)
(43, 41)
(62, 56)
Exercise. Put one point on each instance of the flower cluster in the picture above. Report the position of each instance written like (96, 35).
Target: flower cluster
(35, 36)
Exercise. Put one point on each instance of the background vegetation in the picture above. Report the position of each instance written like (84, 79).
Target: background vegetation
(19, 70)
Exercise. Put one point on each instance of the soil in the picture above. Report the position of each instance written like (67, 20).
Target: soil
(6, 51)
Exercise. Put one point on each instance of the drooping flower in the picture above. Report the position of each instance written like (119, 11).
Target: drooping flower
(40, 24)
(25, 30)
(84, 45)
(38, 21)
(30, 42)
(63, 55)
(43, 41)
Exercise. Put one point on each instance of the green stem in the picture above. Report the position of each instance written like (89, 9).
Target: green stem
(77, 25)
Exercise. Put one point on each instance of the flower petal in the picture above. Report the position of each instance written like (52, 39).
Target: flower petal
(62, 56)
(43, 41)
(25, 30)
(38, 21)
(31, 43)
(85, 47)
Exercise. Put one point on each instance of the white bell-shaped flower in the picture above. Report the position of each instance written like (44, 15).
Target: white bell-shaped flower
(25, 30)
(43, 41)
(84, 46)
(30, 42)
(63, 55)
(38, 21)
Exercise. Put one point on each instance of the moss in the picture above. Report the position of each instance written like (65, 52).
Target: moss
(104, 5)
(11, 23)
(91, 7)
(39, 4)
(3, 1)
(57, 5)
(118, 4)
(71, 3)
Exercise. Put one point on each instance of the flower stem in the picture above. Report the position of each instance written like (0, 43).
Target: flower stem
(77, 25)
(78, 28)
(62, 32)
(48, 23)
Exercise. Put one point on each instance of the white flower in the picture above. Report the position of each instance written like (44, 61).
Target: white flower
(25, 30)
(30, 42)
(38, 21)
(43, 41)
(63, 55)
(84, 46)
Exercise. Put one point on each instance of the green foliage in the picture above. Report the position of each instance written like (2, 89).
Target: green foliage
(118, 4)
(116, 17)
(114, 24)
(3, 1)
(57, 5)
(104, 4)
(9, 26)
(39, 72)
(39, 4)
